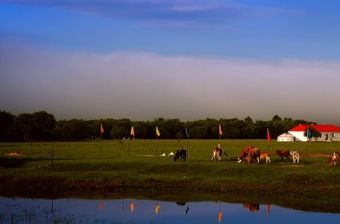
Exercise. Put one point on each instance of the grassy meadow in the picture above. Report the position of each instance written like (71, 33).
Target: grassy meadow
(136, 167)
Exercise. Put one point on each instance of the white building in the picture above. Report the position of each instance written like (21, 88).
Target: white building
(285, 137)
(328, 133)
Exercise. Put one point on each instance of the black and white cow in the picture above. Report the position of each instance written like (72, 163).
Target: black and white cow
(181, 154)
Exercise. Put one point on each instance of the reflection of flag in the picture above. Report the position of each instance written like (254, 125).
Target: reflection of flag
(157, 208)
(268, 209)
(268, 135)
(157, 132)
(101, 129)
(187, 210)
(132, 206)
(219, 216)
(132, 132)
(220, 133)
(187, 133)
(101, 205)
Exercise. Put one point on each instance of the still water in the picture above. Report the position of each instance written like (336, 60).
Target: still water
(129, 211)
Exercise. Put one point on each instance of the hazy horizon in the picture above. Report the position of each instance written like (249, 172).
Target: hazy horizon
(183, 59)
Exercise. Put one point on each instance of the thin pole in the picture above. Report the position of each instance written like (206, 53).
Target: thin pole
(123, 154)
(52, 154)
(157, 145)
(129, 148)
(188, 148)
(101, 145)
(307, 148)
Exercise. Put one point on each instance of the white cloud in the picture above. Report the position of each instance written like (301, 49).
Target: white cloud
(146, 85)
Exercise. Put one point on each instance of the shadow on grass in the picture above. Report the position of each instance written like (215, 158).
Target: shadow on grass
(7, 162)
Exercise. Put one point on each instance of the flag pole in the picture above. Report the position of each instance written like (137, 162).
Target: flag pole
(132, 136)
(268, 139)
(129, 148)
(101, 145)
(157, 135)
(309, 136)
(157, 144)
(307, 146)
(101, 140)
(187, 135)
(52, 153)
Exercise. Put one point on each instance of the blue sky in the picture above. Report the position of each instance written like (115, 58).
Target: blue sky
(185, 51)
(256, 29)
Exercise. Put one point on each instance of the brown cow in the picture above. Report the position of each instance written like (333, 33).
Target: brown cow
(283, 154)
(265, 156)
(334, 159)
(249, 154)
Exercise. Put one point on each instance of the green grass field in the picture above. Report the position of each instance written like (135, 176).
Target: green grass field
(136, 158)
(135, 166)
(148, 151)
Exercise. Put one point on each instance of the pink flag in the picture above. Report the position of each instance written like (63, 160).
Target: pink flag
(220, 133)
(268, 135)
(101, 129)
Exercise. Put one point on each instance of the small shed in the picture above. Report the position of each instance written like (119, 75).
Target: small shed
(285, 137)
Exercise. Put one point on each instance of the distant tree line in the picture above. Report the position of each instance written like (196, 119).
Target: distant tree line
(42, 126)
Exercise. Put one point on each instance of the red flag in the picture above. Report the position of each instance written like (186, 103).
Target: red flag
(101, 129)
(268, 135)
(220, 133)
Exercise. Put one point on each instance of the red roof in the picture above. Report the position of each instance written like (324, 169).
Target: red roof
(317, 127)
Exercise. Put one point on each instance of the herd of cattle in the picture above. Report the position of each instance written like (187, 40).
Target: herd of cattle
(251, 154)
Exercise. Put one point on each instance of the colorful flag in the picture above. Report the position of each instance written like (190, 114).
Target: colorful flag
(132, 132)
(268, 135)
(101, 129)
(187, 132)
(220, 133)
(157, 132)
(309, 134)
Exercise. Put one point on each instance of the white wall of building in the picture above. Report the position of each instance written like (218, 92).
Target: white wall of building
(299, 136)
(285, 138)
(325, 136)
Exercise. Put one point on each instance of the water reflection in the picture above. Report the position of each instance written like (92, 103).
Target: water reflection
(132, 206)
(71, 211)
(157, 208)
(252, 207)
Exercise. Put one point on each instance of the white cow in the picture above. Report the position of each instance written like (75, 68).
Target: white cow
(295, 156)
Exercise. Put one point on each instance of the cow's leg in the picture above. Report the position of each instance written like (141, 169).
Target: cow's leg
(213, 156)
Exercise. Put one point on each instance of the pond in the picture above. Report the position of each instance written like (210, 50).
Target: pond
(129, 211)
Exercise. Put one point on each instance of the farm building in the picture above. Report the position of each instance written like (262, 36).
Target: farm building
(285, 137)
(328, 133)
